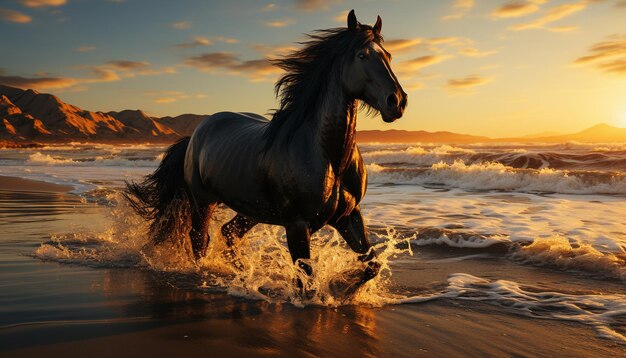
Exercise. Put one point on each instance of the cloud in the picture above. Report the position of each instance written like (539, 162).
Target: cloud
(273, 51)
(128, 65)
(434, 44)
(400, 45)
(42, 3)
(608, 56)
(517, 8)
(163, 97)
(552, 15)
(197, 41)
(313, 5)
(85, 48)
(227, 40)
(463, 4)
(37, 82)
(254, 70)
(413, 66)
(181, 25)
(473, 52)
(110, 71)
(268, 7)
(467, 82)
(279, 23)
(621, 3)
(462, 7)
(14, 16)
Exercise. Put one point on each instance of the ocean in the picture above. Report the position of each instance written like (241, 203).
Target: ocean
(534, 230)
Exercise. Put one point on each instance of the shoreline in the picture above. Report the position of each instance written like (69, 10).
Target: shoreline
(11, 183)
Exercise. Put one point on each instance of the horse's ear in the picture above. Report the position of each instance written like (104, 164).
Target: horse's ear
(353, 24)
(378, 26)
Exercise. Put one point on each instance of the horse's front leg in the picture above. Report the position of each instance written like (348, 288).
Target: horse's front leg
(298, 241)
(352, 229)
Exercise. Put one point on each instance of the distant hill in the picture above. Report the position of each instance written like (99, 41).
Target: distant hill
(402, 136)
(30, 116)
(27, 115)
(596, 134)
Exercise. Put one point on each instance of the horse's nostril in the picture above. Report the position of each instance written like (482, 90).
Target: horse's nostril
(403, 102)
(392, 101)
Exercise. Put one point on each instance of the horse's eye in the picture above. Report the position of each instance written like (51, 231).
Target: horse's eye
(361, 56)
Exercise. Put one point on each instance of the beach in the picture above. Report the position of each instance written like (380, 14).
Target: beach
(78, 278)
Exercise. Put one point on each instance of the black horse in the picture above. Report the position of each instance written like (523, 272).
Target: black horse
(302, 169)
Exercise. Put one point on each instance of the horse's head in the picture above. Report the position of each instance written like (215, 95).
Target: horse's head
(367, 74)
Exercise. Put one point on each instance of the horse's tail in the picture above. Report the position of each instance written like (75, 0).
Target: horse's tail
(161, 197)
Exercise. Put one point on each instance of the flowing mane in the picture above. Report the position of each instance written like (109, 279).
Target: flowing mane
(309, 73)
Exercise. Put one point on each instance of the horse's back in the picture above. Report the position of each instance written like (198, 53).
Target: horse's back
(224, 155)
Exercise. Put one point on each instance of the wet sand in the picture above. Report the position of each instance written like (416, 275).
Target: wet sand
(21, 184)
(53, 309)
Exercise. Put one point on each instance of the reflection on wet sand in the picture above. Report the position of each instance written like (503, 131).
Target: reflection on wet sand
(251, 324)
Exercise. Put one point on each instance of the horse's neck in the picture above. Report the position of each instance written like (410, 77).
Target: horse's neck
(336, 130)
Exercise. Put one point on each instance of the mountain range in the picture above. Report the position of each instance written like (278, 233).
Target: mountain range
(30, 116)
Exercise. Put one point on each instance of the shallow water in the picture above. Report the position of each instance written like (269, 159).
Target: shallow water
(519, 240)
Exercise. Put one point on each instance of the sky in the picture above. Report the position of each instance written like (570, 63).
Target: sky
(486, 67)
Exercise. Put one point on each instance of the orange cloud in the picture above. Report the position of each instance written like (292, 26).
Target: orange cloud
(314, 5)
(473, 52)
(399, 45)
(254, 70)
(552, 15)
(163, 97)
(39, 82)
(14, 16)
(279, 23)
(42, 3)
(85, 49)
(517, 8)
(197, 41)
(467, 82)
(462, 7)
(608, 56)
(413, 66)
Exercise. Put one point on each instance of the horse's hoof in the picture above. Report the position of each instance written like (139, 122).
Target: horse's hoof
(371, 271)
(231, 258)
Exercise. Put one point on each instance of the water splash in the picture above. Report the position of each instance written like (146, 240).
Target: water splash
(263, 268)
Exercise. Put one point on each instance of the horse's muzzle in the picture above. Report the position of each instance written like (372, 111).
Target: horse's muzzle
(395, 105)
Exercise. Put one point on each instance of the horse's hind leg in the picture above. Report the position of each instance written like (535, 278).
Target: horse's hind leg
(298, 241)
(201, 212)
(352, 229)
(236, 228)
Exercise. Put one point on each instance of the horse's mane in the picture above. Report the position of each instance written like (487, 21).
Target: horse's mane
(309, 71)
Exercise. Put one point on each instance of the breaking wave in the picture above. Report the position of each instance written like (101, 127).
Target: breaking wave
(597, 158)
(496, 176)
(39, 159)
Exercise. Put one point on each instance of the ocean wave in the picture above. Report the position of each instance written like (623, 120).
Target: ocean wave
(598, 311)
(558, 252)
(496, 176)
(414, 155)
(40, 159)
(553, 251)
(600, 158)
